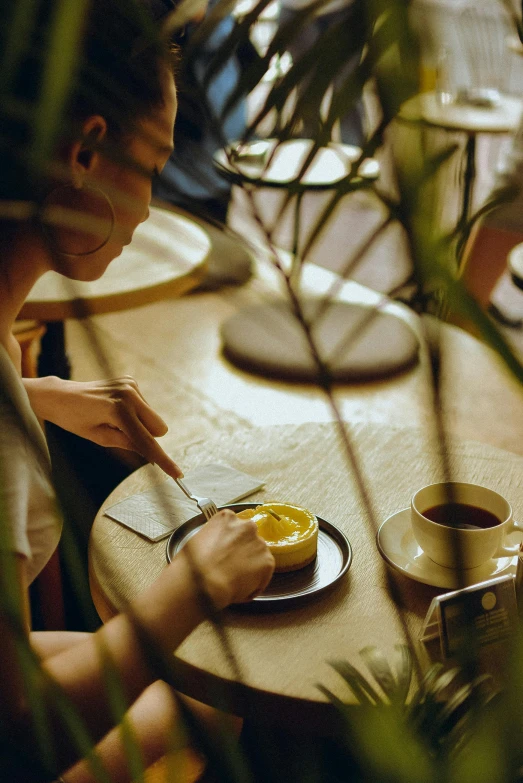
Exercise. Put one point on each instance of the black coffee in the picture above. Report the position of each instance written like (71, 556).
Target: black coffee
(462, 516)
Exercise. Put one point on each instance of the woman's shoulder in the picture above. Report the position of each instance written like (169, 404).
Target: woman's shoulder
(21, 430)
(30, 524)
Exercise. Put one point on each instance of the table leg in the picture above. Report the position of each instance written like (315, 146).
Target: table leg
(295, 271)
(468, 177)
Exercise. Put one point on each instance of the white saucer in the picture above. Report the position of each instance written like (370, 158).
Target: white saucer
(397, 545)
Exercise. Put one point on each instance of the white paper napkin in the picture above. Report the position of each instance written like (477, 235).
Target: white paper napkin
(157, 512)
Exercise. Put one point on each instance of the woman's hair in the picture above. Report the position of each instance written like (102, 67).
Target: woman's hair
(117, 73)
(120, 73)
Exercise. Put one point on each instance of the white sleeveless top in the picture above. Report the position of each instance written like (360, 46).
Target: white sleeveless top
(30, 524)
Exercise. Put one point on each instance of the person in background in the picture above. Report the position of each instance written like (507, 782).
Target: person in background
(189, 178)
(74, 215)
(325, 17)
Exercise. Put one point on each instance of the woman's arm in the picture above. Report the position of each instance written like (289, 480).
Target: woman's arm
(233, 564)
(112, 413)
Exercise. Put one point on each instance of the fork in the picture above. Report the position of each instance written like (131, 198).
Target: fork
(206, 506)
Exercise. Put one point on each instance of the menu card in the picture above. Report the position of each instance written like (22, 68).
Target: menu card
(487, 611)
(156, 512)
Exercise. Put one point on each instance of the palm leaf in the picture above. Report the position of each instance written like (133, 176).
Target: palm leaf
(338, 703)
(238, 35)
(361, 688)
(429, 678)
(333, 55)
(478, 691)
(58, 73)
(18, 32)
(388, 749)
(381, 670)
(119, 705)
(404, 673)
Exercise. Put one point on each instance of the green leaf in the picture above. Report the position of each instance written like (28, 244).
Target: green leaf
(317, 67)
(360, 687)
(18, 34)
(404, 672)
(426, 684)
(338, 703)
(387, 748)
(119, 705)
(381, 671)
(485, 759)
(60, 65)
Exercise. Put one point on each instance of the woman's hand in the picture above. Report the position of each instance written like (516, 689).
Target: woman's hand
(112, 413)
(233, 561)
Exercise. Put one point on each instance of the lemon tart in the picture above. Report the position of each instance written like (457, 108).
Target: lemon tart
(291, 533)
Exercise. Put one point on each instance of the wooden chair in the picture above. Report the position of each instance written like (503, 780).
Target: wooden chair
(29, 334)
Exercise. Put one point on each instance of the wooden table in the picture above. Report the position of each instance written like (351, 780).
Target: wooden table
(284, 654)
(166, 258)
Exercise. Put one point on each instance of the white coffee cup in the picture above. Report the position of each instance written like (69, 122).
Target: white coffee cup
(454, 546)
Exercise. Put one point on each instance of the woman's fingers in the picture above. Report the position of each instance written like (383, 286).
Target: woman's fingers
(233, 561)
(146, 445)
(134, 426)
(131, 434)
(130, 397)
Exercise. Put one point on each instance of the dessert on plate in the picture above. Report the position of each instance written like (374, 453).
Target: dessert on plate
(291, 533)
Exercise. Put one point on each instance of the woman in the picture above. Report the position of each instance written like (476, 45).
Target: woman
(73, 212)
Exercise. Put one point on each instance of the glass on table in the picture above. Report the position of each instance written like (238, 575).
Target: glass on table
(445, 88)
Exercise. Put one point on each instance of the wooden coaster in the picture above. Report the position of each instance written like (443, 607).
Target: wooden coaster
(358, 342)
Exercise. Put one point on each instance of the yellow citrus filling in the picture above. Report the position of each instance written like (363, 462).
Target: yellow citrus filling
(292, 539)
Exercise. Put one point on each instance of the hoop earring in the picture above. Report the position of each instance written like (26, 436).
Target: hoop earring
(61, 210)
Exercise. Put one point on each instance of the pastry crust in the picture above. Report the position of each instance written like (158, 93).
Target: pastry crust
(296, 566)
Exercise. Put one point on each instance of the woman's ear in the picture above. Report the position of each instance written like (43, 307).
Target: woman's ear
(84, 155)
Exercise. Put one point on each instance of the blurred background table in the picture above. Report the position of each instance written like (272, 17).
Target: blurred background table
(430, 109)
(166, 258)
(296, 169)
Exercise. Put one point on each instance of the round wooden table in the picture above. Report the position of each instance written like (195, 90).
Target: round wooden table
(166, 258)
(282, 655)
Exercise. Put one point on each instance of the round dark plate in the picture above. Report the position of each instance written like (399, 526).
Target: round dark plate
(332, 562)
